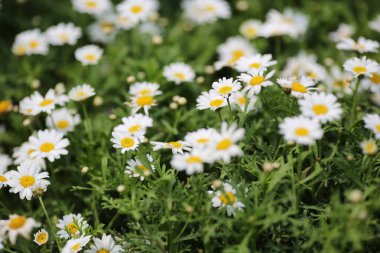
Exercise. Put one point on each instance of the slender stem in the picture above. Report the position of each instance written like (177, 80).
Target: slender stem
(114, 218)
(220, 116)
(50, 224)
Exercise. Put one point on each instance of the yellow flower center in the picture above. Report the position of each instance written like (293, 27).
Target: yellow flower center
(341, 84)
(145, 92)
(145, 100)
(312, 75)
(224, 144)
(76, 246)
(203, 140)
(320, 109)
(370, 148)
(299, 87)
(250, 32)
(2, 179)
(72, 228)
(127, 142)
(175, 144)
(136, 9)
(225, 90)
(360, 69)
(17, 222)
(63, 124)
(47, 147)
(90, 57)
(91, 4)
(236, 54)
(209, 8)
(46, 102)
(378, 128)
(143, 169)
(256, 80)
(301, 131)
(33, 44)
(180, 75)
(5, 106)
(216, 102)
(375, 78)
(64, 37)
(193, 159)
(103, 251)
(107, 27)
(42, 238)
(134, 128)
(27, 181)
(255, 65)
(227, 198)
(20, 50)
(241, 100)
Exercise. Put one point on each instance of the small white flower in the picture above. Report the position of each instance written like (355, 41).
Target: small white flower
(94, 7)
(144, 89)
(30, 42)
(37, 103)
(71, 225)
(81, 92)
(22, 155)
(191, 162)
(137, 9)
(103, 30)
(372, 83)
(135, 125)
(175, 146)
(301, 130)
(136, 168)
(210, 100)
(255, 80)
(18, 225)
(372, 122)
(299, 87)
(360, 66)
(245, 102)
(320, 106)
(24, 179)
(76, 245)
(251, 28)
(206, 11)
(89, 55)
(226, 198)
(200, 138)
(369, 147)
(344, 31)
(41, 237)
(124, 141)
(104, 245)
(179, 72)
(375, 24)
(225, 87)
(48, 144)
(62, 34)
(63, 120)
(362, 45)
(254, 62)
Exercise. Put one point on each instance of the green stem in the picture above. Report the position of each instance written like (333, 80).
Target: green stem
(49, 222)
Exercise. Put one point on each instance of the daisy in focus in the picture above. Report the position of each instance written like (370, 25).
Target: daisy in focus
(372, 122)
(25, 179)
(30, 42)
(62, 34)
(255, 81)
(298, 86)
(89, 55)
(76, 245)
(106, 244)
(301, 130)
(143, 96)
(124, 141)
(81, 92)
(18, 225)
(135, 125)
(225, 197)
(363, 45)
(320, 106)
(225, 87)
(211, 100)
(206, 11)
(179, 73)
(48, 144)
(71, 226)
(360, 66)
(135, 168)
(41, 237)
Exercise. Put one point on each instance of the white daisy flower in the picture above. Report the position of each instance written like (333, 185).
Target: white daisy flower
(375, 24)
(344, 31)
(137, 9)
(226, 198)
(254, 62)
(62, 34)
(48, 144)
(372, 122)
(30, 42)
(144, 102)
(210, 100)
(372, 83)
(135, 125)
(201, 137)
(22, 155)
(94, 7)
(360, 66)
(81, 92)
(369, 147)
(175, 146)
(299, 87)
(232, 50)
(178, 73)
(88, 55)
(255, 80)
(206, 11)
(144, 89)
(76, 245)
(103, 30)
(224, 145)
(301, 130)
(339, 81)
(363, 45)
(126, 22)
(25, 179)
(63, 120)
(48, 102)
(71, 225)
(41, 237)
(245, 102)
(104, 245)
(18, 225)
(191, 162)
(320, 106)
(135, 168)
(28, 108)
(225, 87)
(124, 141)
(250, 29)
